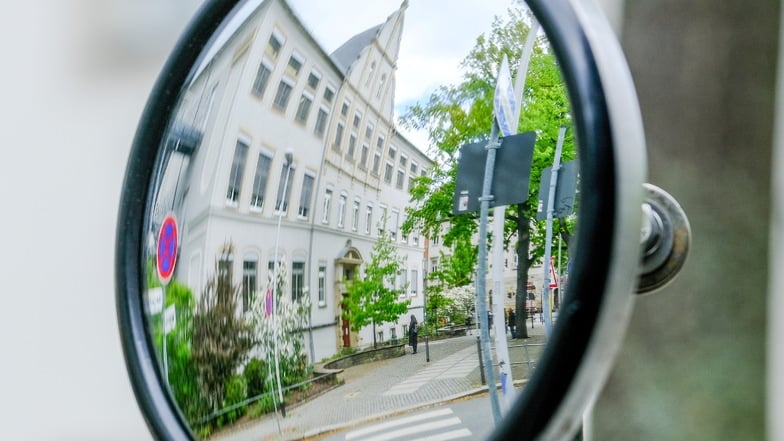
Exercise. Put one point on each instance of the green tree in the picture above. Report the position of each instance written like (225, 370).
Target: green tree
(222, 337)
(374, 296)
(455, 115)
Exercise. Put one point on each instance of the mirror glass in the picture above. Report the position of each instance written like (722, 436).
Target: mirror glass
(304, 221)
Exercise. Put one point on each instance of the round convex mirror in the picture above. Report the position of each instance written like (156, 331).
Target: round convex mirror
(304, 193)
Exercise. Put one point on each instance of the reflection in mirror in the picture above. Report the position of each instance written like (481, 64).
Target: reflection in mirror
(306, 260)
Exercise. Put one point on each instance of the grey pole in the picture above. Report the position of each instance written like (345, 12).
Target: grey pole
(481, 272)
(548, 320)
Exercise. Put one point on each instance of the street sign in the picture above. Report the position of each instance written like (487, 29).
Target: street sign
(504, 101)
(510, 178)
(169, 319)
(166, 257)
(553, 278)
(565, 191)
(155, 300)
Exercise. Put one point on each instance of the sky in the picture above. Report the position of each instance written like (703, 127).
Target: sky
(437, 35)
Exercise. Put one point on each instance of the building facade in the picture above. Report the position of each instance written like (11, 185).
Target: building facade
(289, 153)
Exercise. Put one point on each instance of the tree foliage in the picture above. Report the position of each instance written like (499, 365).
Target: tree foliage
(282, 331)
(455, 115)
(222, 337)
(373, 297)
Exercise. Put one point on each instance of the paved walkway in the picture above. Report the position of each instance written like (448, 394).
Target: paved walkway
(376, 390)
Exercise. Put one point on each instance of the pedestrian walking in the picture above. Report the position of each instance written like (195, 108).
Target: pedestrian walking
(512, 323)
(413, 330)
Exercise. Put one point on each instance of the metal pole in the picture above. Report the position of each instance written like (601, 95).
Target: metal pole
(481, 272)
(289, 157)
(499, 213)
(424, 311)
(163, 331)
(549, 234)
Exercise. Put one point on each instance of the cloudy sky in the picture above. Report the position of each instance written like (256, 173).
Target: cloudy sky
(437, 35)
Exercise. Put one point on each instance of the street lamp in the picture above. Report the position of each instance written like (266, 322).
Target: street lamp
(289, 158)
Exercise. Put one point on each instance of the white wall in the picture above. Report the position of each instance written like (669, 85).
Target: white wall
(75, 79)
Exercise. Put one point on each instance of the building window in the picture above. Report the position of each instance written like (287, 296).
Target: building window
(370, 72)
(414, 282)
(338, 137)
(403, 160)
(305, 196)
(388, 173)
(352, 146)
(355, 215)
(322, 285)
(364, 156)
(392, 150)
(237, 170)
(344, 107)
(321, 122)
(297, 280)
(329, 93)
(260, 181)
(381, 85)
(376, 163)
(413, 167)
(393, 222)
(357, 119)
(295, 64)
(225, 262)
(303, 110)
(410, 183)
(313, 80)
(273, 268)
(282, 95)
(434, 265)
(262, 78)
(341, 210)
(274, 44)
(369, 131)
(325, 211)
(382, 220)
(415, 239)
(249, 277)
(402, 282)
(368, 218)
(401, 177)
(284, 186)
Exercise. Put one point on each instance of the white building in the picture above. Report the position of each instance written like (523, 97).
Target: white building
(268, 90)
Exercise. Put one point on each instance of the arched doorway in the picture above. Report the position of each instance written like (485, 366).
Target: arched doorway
(346, 266)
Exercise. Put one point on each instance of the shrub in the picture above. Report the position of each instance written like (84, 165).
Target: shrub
(236, 391)
(255, 374)
(265, 405)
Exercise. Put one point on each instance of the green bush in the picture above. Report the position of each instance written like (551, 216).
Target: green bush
(236, 392)
(255, 374)
(265, 405)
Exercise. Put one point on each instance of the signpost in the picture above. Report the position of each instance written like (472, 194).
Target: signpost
(165, 260)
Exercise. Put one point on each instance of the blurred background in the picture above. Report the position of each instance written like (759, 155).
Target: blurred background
(75, 80)
(76, 77)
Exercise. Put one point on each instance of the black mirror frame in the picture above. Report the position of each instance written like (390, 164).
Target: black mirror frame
(156, 403)
(591, 319)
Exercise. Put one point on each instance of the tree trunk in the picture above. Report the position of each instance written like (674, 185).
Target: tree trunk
(523, 242)
(374, 334)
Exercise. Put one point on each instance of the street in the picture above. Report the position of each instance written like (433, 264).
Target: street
(464, 419)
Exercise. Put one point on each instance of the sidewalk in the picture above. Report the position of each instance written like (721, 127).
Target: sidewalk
(380, 389)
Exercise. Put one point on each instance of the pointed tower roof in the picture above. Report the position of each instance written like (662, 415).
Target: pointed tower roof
(350, 51)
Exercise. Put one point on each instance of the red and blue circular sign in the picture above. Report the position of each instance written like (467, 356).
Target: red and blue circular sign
(166, 256)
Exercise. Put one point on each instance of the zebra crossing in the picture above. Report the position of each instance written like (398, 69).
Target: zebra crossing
(436, 425)
(457, 365)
